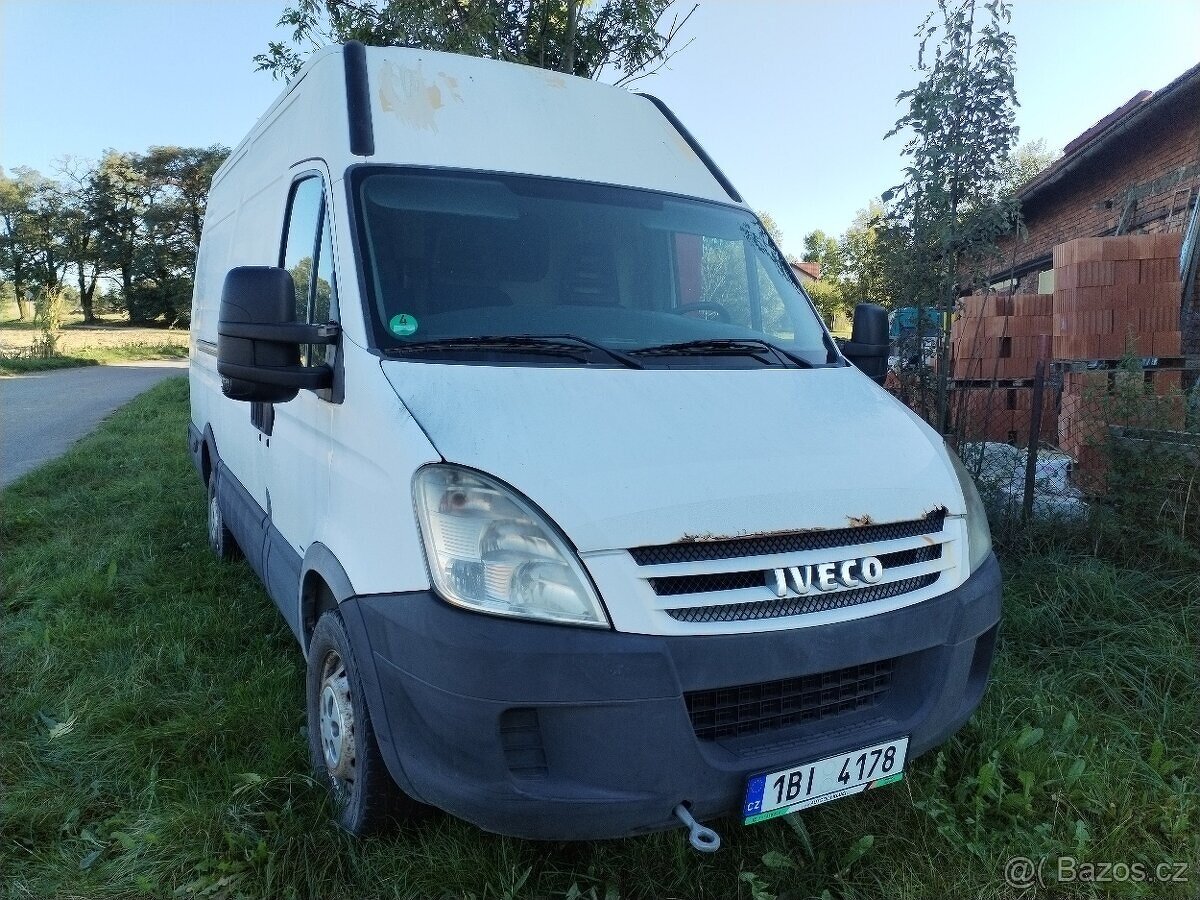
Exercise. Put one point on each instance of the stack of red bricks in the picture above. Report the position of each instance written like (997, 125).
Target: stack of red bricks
(1117, 293)
(1092, 401)
(997, 340)
(1002, 413)
(1000, 337)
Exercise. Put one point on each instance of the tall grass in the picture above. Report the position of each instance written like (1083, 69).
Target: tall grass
(151, 731)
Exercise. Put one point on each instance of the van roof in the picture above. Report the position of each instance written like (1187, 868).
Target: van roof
(444, 110)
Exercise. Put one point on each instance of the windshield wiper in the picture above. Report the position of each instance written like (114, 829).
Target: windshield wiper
(624, 358)
(719, 346)
(555, 344)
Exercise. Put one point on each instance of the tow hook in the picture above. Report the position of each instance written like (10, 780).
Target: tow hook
(702, 839)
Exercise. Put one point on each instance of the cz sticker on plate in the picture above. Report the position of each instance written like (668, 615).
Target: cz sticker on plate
(788, 790)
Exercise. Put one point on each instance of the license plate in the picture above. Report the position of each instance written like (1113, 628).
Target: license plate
(788, 790)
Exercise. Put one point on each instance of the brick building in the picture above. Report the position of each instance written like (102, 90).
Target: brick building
(1136, 171)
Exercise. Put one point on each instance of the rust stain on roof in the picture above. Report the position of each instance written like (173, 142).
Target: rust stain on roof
(404, 92)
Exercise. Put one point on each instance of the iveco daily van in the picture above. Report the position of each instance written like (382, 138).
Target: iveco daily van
(584, 524)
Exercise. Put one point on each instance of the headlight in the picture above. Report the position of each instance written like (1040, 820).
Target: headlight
(489, 550)
(979, 535)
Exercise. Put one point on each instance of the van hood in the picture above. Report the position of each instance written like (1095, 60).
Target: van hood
(624, 458)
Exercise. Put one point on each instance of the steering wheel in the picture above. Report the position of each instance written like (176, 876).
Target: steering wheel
(721, 311)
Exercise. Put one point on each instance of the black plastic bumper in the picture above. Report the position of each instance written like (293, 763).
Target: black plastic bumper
(544, 731)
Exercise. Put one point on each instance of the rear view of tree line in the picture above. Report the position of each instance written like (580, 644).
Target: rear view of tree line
(120, 234)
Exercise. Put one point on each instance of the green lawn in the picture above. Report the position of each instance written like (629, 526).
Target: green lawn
(151, 716)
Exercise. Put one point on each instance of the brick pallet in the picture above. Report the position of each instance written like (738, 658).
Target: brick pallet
(1001, 338)
(1117, 293)
(1002, 413)
(1092, 401)
(1112, 296)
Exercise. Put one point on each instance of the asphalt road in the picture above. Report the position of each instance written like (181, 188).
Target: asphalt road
(42, 415)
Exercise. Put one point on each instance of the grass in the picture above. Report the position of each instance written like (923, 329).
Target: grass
(17, 364)
(151, 716)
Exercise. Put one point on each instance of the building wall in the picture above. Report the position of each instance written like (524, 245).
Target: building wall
(1158, 163)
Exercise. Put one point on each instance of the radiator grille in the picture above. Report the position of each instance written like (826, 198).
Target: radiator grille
(731, 581)
(792, 542)
(798, 606)
(751, 709)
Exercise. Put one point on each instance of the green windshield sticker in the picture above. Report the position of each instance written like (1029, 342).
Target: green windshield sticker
(403, 324)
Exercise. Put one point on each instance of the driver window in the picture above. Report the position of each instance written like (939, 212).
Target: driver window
(308, 249)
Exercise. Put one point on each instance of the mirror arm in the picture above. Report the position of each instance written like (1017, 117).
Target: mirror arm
(308, 377)
(858, 349)
(284, 333)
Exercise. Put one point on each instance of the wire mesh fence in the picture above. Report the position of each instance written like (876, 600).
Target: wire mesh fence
(1118, 439)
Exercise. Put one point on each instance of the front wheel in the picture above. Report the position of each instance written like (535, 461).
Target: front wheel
(341, 737)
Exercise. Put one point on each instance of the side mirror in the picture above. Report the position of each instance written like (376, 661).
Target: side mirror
(869, 343)
(258, 338)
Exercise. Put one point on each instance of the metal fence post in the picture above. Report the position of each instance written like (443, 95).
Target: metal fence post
(1035, 435)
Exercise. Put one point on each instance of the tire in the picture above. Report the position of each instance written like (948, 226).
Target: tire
(341, 737)
(220, 539)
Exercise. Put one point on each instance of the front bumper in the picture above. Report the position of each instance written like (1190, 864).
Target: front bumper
(554, 732)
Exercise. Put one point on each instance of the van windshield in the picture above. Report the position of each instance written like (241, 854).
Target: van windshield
(545, 269)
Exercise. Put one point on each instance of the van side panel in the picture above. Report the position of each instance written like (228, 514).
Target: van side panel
(349, 463)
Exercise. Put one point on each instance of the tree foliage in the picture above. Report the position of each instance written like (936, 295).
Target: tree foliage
(621, 39)
(825, 251)
(1028, 160)
(853, 266)
(959, 130)
(131, 221)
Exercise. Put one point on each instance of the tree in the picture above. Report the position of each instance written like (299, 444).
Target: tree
(34, 253)
(149, 210)
(626, 38)
(119, 204)
(1027, 160)
(852, 266)
(17, 246)
(864, 265)
(81, 230)
(960, 125)
(826, 252)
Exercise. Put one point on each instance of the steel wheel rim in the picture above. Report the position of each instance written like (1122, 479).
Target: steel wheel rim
(214, 522)
(335, 718)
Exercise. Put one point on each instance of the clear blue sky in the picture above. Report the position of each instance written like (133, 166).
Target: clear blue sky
(791, 97)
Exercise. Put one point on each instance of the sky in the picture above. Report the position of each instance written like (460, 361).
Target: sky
(790, 97)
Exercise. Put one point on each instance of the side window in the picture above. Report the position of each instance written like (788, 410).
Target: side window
(308, 255)
(324, 302)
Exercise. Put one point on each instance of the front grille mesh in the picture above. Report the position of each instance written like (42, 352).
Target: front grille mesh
(791, 542)
(751, 709)
(732, 581)
(798, 606)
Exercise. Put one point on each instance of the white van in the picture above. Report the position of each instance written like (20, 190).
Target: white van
(585, 525)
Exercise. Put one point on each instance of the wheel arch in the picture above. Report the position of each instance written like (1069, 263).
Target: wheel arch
(210, 460)
(324, 585)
